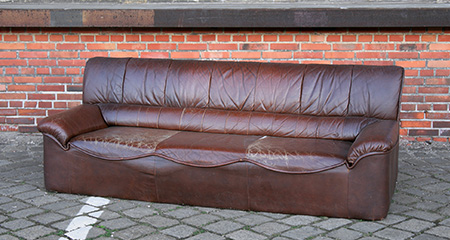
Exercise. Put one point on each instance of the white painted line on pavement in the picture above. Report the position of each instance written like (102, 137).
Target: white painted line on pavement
(79, 227)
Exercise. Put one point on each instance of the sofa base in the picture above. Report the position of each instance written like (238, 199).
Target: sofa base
(338, 192)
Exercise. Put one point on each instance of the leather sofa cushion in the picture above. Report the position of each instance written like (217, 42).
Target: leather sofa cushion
(200, 149)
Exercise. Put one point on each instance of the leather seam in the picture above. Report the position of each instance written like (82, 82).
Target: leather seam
(350, 91)
(371, 154)
(165, 83)
(301, 90)
(123, 78)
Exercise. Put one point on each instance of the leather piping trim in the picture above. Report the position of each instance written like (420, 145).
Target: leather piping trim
(350, 166)
(208, 166)
(65, 148)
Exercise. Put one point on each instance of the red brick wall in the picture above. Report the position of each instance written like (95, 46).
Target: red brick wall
(41, 69)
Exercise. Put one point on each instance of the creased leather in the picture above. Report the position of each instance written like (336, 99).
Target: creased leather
(287, 155)
(376, 138)
(78, 120)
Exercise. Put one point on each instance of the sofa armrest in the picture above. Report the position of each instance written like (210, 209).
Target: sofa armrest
(65, 125)
(376, 138)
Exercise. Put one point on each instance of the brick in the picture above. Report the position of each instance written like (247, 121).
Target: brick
(302, 55)
(208, 38)
(411, 115)
(434, 55)
(412, 98)
(102, 38)
(70, 63)
(161, 46)
(117, 38)
(132, 38)
(339, 55)
(63, 54)
(347, 46)
(270, 38)
(215, 55)
(155, 55)
(433, 89)
(246, 55)
(224, 38)
(13, 62)
(423, 132)
(50, 88)
(60, 104)
(71, 38)
(445, 98)
(428, 38)
(365, 38)
(72, 71)
(438, 81)
(32, 112)
(41, 38)
(41, 96)
(22, 88)
(41, 62)
(277, 54)
(442, 72)
(177, 38)
(412, 38)
(284, 46)
(254, 46)
(441, 124)
(302, 38)
(93, 54)
(2, 88)
(57, 79)
(17, 104)
(162, 38)
(379, 46)
(30, 104)
(40, 46)
(33, 54)
(193, 38)
(370, 55)
(316, 62)
(189, 46)
(315, 46)
(440, 46)
(124, 54)
(416, 124)
(185, 55)
(5, 79)
(223, 46)
(287, 38)
(56, 38)
(8, 112)
(87, 38)
(334, 38)
(62, 96)
(403, 55)
(12, 71)
(349, 38)
(70, 46)
(423, 107)
(27, 79)
(411, 64)
(58, 71)
(411, 47)
(439, 64)
(131, 46)
(8, 54)
(437, 115)
(20, 120)
(440, 139)
(101, 46)
(12, 46)
(254, 38)
(440, 107)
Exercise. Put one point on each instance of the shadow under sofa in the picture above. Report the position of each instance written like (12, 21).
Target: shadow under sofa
(291, 138)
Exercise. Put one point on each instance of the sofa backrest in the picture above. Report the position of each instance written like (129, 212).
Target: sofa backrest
(185, 94)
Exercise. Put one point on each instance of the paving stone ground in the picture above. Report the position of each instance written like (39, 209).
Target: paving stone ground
(420, 208)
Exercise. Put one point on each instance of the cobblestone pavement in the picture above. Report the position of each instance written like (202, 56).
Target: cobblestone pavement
(420, 209)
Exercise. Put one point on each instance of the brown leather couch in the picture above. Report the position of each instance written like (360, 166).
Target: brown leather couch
(290, 138)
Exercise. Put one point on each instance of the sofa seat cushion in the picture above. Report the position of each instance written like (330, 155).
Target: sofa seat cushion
(289, 155)
(119, 143)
